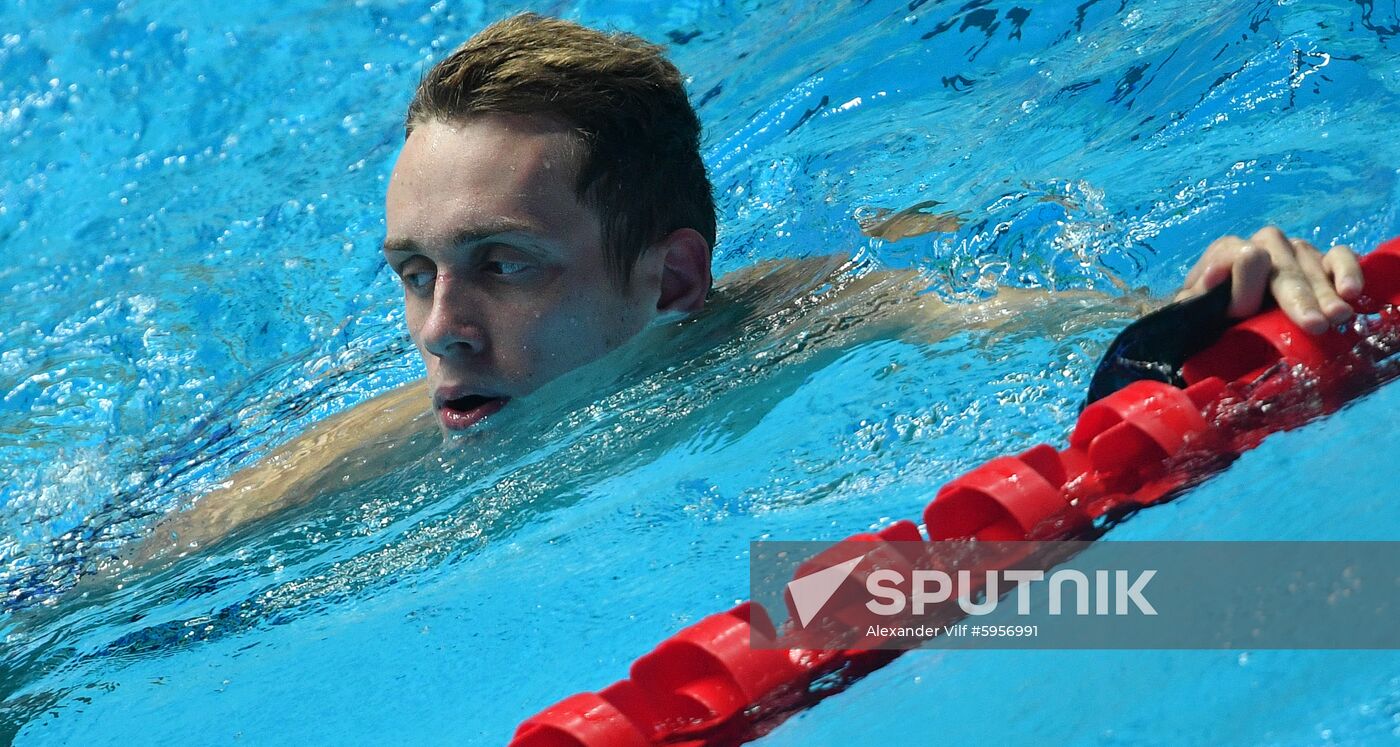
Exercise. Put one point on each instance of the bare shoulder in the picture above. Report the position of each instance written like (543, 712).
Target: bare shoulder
(356, 444)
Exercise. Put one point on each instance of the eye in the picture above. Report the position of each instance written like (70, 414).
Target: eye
(504, 267)
(417, 280)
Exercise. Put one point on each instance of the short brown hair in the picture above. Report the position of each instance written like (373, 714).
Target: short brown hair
(640, 166)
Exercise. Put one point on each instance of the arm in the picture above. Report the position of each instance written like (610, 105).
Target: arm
(351, 446)
(395, 428)
(1312, 288)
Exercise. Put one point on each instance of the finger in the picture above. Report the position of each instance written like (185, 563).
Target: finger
(1328, 302)
(1196, 270)
(1213, 275)
(1289, 284)
(1249, 281)
(1213, 255)
(1211, 269)
(1345, 269)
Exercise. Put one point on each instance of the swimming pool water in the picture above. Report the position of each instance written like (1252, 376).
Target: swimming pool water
(191, 204)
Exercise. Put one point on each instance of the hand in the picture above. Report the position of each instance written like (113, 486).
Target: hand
(1312, 288)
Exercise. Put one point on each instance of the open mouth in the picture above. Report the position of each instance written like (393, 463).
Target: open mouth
(464, 412)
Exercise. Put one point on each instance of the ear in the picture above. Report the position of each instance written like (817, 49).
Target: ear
(685, 271)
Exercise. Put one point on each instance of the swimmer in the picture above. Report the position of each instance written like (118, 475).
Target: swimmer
(550, 205)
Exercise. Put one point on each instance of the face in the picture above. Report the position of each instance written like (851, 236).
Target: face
(505, 281)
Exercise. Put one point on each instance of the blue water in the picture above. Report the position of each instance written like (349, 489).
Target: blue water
(190, 202)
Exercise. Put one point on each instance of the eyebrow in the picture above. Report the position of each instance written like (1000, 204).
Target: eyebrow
(467, 236)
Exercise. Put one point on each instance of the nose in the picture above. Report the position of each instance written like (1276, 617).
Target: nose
(453, 327)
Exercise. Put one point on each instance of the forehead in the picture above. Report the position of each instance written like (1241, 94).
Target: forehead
(493, 168)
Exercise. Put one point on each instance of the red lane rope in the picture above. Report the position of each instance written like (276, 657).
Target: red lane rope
(707, 686)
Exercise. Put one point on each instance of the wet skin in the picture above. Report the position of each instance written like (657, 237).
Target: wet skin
(506, 285)
(505, 279)
(506, 288)
(505, 282)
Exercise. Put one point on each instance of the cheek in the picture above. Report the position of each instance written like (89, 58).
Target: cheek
(615, 321)
(569, 335)
(415, 316)
(547, 337)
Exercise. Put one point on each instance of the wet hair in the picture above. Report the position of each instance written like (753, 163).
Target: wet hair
(639, 161)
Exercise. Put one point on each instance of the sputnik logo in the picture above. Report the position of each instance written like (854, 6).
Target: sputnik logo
(809, 593)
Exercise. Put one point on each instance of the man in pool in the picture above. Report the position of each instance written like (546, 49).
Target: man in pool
(549, 204)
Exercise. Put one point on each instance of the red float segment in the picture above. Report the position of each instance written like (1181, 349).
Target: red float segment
(1381, 270)
(713, 662)
(707, 686)
(697, 682)
(846, 602)
(1132, 435)
(1043, 458)
(857, 545)
(1255, 345)
(582, 720)
(1206, 392)
(900, 531)
(1259, 343)
(1004, 499)
(1167, 416)
(1385, 291)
